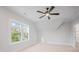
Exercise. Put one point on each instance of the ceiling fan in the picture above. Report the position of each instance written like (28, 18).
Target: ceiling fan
(48, 12)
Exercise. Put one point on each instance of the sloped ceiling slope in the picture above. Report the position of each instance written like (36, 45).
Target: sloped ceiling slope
(67, 13)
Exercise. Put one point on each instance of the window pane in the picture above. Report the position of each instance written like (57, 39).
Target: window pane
(15, 32)
(25, 32)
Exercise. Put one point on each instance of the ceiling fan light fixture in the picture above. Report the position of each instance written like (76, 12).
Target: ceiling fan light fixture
(47, 14)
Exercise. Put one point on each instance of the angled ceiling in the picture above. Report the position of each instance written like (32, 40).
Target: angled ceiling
(67, 13)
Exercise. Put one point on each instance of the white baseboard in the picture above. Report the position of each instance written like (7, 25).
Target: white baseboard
(59, 43)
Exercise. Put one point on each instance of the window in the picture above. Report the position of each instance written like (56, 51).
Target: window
(19, 31)
(77, 32)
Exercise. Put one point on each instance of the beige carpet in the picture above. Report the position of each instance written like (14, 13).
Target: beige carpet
(43, 47)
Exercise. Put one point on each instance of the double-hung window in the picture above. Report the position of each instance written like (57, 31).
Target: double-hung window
(19, 31)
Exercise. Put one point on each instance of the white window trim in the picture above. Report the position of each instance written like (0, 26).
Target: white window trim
(21, 32)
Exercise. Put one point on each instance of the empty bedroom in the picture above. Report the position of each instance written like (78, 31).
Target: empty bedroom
(39, 28)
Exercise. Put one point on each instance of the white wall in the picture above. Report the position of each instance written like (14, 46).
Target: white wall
(60, 36)
(5, 17)
(49, 34)
(65, 35)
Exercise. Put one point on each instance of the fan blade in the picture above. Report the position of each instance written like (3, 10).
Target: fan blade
(60, 25)
(42, 16)
(40, 12)
(54, 13)
(48, 17)
(47, 8)
(52, 7)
